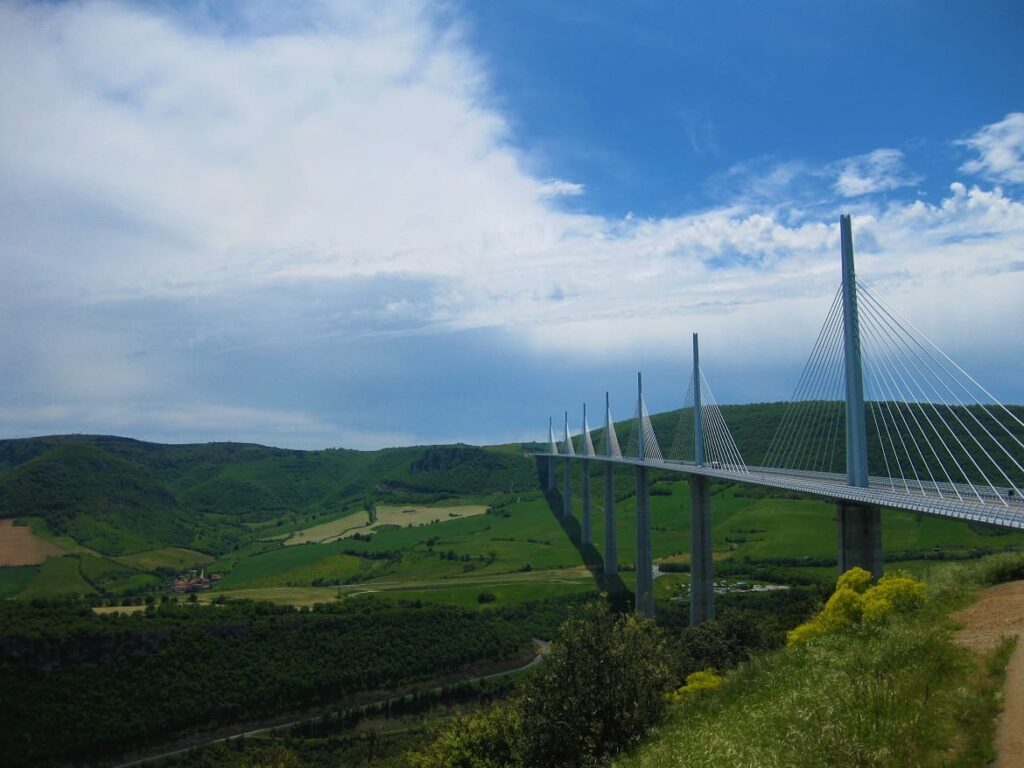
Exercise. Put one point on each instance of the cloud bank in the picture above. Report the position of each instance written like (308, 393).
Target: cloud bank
(224, 226)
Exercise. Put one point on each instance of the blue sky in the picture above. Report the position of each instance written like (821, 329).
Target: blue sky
(391, 222)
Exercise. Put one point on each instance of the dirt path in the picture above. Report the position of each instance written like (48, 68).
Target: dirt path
(999, 612)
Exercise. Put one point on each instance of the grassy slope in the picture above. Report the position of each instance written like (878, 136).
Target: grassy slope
(846, 699)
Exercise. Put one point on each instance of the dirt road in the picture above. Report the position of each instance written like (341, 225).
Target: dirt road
(999, 612)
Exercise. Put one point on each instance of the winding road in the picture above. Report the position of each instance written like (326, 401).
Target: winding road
(230, 734)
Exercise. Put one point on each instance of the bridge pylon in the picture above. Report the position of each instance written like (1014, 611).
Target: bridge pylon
(552, 449)
(859, 525)
(644, 596)
(702, 584)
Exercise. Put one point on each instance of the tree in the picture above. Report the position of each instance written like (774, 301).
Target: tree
(371, 508)
(601, 687)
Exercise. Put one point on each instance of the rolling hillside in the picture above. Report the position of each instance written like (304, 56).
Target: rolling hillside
(119, 496)
(128, 516)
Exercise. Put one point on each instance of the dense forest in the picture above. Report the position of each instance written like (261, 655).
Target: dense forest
(77, 686)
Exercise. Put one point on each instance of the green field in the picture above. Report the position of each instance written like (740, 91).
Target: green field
(13, 580)
(167, 557)
(58, 575)
(231, 508)
(291, 566)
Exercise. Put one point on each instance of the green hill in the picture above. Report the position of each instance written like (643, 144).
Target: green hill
(118, 496)
(134, 514)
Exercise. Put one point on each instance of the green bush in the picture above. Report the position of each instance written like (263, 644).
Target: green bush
(601, 687)
(855, 602)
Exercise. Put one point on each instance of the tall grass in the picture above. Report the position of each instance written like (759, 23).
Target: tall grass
(893, 695)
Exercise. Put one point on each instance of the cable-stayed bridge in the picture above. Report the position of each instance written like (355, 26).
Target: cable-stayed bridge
(880, 417)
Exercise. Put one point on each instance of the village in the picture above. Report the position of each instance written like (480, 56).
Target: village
(195, 581)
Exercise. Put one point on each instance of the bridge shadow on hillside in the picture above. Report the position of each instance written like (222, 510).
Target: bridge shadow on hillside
(619, 595)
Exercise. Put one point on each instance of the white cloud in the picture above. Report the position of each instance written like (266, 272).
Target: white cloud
(877, 171)
(1001, 150)
(349, 177)
(557, 188)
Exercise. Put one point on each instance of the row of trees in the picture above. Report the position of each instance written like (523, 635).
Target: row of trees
(75, 686)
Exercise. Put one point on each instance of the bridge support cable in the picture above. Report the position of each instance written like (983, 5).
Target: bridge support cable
(611, 449)
(904, 407)
(917, 404)
(821, 403)
(922, 374)
(552, 449)
(643, 442)
(816, 437)
(719, 446)
(810, 428)
(587, 450)
(970, 417)
(958, 374)
(682, 450)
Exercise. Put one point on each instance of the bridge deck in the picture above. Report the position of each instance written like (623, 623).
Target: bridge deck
(994, 508)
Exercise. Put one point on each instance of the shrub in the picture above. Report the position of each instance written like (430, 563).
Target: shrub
(602, 687)
(483, 739)
(697, 682)
(855, 602)
(857, 579)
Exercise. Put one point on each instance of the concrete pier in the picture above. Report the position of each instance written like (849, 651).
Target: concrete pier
(702, 585)
(644, 563)
(860, 537)
(586, 537)
(611, 548)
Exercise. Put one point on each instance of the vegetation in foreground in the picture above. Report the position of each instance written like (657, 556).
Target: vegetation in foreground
(885, 688)
(75, 686)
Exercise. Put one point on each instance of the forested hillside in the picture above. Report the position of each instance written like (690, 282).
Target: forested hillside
(116, 495)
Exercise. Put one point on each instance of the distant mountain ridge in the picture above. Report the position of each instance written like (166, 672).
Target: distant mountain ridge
(118, 495)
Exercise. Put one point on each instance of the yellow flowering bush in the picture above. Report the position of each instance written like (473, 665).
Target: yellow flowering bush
(704, 680)
(856, 579)
(856, 602)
